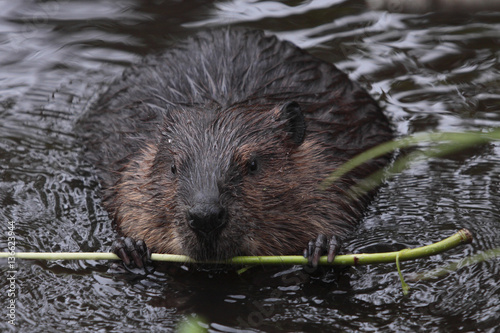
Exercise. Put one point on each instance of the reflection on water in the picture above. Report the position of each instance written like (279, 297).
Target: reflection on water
(432, 72)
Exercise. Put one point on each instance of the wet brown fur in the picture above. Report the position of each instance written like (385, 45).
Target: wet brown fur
(209, 107)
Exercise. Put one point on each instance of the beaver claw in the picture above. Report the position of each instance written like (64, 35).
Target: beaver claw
(132, 253)
(320, 246)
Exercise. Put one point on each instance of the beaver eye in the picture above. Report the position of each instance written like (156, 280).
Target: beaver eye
(173, 168)
(253, 165)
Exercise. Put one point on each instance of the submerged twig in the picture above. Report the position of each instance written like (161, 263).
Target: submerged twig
(440, 271)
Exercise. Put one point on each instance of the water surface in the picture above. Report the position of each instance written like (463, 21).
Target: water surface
(430, 72)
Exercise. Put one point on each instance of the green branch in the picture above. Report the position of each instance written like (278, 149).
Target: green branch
(450, 143)
(461, 237)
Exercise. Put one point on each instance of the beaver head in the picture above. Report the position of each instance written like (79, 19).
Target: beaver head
(224, 182)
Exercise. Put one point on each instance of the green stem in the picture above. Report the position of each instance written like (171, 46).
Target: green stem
(452, 142)
(461, 237)
(438, 272)
(404, 286)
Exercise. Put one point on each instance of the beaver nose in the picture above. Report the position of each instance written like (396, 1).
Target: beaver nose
(205, 218)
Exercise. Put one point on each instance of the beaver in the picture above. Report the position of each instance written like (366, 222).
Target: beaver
(217, 148)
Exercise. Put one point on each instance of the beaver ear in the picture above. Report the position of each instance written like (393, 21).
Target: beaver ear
(295, 123)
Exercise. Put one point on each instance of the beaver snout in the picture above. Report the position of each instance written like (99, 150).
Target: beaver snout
(206, 215)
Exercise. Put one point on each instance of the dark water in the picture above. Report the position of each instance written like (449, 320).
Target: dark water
(432, 72)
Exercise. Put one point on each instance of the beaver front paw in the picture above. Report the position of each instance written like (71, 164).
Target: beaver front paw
(316, 248)
(132, 253)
